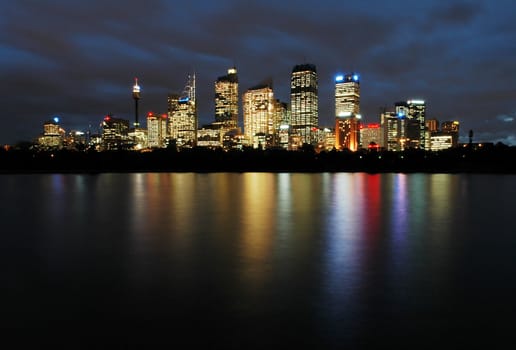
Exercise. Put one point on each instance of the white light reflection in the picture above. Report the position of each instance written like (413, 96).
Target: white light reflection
(342, 241)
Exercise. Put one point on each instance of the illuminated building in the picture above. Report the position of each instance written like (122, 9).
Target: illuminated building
(347, 133)
(328, 140)
(209, 137)
(393, 127)
(432, 125)
(53, 135)
(115, 133)
(347, 111)
(451, 128)
(259, 113)
(304, 101)
(440, 142)
(417, 112)
(414, 111)
(51, 127)
(371, 136)
(347, 95)
(226, 99)
(157, 130)
(182, 115)
(136, 97)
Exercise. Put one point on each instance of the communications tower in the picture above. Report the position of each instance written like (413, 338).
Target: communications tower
(136, 98)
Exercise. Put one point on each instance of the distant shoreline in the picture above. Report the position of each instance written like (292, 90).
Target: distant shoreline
(501, 160)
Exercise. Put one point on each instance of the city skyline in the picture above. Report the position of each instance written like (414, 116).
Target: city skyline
(455, 56)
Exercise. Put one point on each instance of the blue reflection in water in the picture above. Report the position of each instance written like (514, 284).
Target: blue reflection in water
(342, 259)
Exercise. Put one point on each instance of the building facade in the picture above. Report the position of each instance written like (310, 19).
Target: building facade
(394, 128)
(115, 133)
(226, 99)
(415, 126)
(259, 113)
(182, 116)
(53, 135)
(371, 136)
(451, 128)
(347, 133)
(157, 130)
(304, 101)
(347, 95)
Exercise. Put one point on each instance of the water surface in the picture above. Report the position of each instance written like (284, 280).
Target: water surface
(259, 259)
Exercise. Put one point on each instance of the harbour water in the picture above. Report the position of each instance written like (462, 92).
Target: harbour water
(260, 259)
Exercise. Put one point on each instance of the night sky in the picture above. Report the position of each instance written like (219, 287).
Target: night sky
(77, 59)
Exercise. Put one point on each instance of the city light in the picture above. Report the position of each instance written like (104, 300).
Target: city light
(136, 87)
(339, 78)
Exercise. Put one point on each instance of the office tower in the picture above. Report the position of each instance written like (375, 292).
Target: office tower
(415, 111)
(259, 113)
(182, 115)
(347, 95)
(156, 130)
(347, 111)
(347, 133)
(281, 124)
(432, 125)
(136, 97)
(304, 101)
(451, 128)
(394, 130)
(115, 133)
(53, 134)
(226, 99)
(371, 136)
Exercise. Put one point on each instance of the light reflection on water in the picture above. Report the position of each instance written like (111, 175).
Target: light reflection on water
(333, 257)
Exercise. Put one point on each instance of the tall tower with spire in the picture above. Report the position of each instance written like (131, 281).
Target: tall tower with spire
(136, 98)
(182, 115)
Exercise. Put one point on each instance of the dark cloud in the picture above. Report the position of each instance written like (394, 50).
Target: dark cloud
(458, 13)
(78, 59)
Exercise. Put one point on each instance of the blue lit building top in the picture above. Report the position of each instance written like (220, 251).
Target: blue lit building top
(346, 78)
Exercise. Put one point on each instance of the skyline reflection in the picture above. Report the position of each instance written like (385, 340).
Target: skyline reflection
(333, 257)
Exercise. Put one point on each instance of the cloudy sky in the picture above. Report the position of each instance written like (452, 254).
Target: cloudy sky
(77, 59)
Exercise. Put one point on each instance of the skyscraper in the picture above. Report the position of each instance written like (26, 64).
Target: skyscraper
(417, 112)
(115, 133)
(347, 95)
(304, 101)
(347, 133)
(394, 130)
(226, 99)
(182, 115)
(414, 111)
(259, 112)
(156, 130)
(347, 111)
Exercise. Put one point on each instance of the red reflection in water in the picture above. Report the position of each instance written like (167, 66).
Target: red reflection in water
(372, 204)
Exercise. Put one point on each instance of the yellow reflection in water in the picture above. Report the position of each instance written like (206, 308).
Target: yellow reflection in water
(258, 216)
